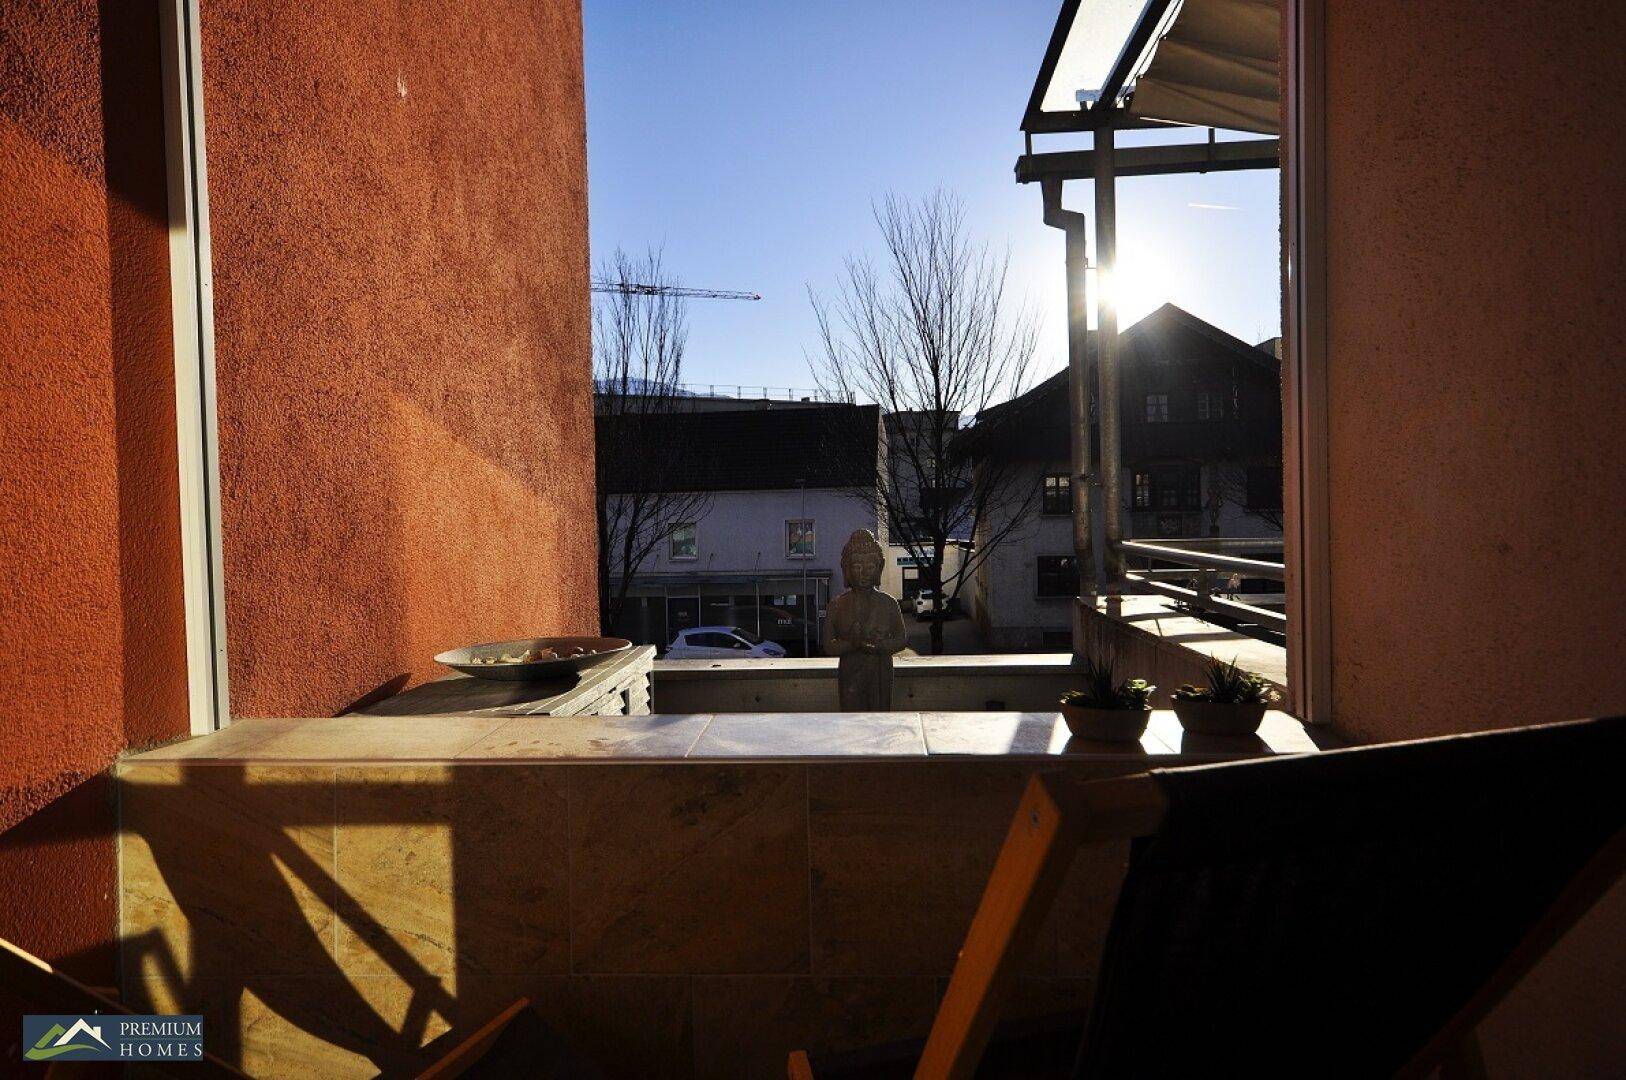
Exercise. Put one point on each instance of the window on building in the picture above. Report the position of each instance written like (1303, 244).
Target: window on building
(1057, 576)
(1264, 487)
(1058, 494)
(1210, 405)
(1168, 487)
(685, 543)
(799, 538)
(1157, 408)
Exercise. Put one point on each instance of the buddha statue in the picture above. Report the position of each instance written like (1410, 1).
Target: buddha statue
(864, 627)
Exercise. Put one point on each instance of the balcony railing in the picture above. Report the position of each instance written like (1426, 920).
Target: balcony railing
(1199, 562)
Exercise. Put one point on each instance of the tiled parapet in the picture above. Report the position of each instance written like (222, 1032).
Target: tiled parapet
(462, 869)
(681, 896)
(689, 869)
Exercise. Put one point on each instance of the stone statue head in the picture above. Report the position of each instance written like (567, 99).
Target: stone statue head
(862, 560)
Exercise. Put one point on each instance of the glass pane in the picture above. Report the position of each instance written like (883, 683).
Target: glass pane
(1093, 43)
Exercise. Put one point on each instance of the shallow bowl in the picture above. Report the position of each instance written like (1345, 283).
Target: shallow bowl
(467, 660)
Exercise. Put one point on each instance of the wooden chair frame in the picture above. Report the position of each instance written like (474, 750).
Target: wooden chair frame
(52, 991)
(463, 1056)
(1056, 815)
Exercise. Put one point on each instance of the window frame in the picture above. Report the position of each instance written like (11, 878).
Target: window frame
(197, 425)
(1066, 482)
(1162, 407)
(672, 542)
(1039, 575)
(1305, 462)
(812, 527)
(1176, 478)
(1210, 405)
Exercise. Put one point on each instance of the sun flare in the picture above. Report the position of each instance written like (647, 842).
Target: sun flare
(1139, 285)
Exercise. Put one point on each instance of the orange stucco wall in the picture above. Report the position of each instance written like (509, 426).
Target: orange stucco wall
(1477, 361)
(399, 211)
(401, 310)
(1477, 367)
(91, 630)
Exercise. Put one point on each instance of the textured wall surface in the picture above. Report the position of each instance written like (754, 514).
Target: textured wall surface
(91, 637)
(1478, 364)
(1478, 395)
(743, 532)
(399, 221)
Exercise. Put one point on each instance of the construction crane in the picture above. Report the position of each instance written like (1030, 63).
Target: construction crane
(633, 288)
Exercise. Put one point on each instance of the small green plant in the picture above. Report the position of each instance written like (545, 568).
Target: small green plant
(1228, 685)
(1102, 690)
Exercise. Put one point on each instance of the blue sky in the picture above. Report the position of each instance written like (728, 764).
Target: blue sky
(748, 139)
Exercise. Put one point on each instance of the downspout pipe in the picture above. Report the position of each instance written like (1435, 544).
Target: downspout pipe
(1075, 227)
(1106, 347)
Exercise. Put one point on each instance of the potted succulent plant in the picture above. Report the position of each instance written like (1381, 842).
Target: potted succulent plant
(1233, 702)
(1106, 709)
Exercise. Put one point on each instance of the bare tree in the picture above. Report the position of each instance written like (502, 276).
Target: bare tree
(931, 336)
(1228, 482)
(638, 343)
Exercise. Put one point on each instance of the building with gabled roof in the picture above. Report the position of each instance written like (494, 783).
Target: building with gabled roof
(1201, 448)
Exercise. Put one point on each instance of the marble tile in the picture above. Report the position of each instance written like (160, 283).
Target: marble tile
(1280, 733)
(378, 738)
(1153, 743)
(1286, 735)
(452, 869)
(900, 854)
(233, 743)
(228, 870)
(746, 1027)
(308, 1027)
(688, 868)
(1002, 734)
(811, 735)
(589, 737)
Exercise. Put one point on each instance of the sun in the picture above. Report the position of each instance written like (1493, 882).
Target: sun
(1137, 287)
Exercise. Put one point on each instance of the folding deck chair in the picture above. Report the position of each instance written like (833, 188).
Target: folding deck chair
(1351, 913)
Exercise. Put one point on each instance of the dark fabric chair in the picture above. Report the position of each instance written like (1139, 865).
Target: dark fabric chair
(1340, 908)
(1352, 913)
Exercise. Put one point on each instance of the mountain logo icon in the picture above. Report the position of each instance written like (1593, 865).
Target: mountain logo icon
(59, 1041)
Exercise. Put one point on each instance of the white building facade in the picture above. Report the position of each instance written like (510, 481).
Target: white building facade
(784, 489)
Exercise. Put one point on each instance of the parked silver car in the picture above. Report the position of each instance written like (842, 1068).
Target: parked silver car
(721, 643)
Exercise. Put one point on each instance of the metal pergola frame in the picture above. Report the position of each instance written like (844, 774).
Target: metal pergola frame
(1103, 164)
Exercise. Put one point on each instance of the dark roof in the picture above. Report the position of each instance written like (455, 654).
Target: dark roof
(831, 446)
(1038, 418)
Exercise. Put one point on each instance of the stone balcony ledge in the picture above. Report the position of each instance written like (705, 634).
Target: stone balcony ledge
(712, 738)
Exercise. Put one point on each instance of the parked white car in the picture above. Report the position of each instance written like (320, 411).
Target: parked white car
(721, 643)
(924, 604)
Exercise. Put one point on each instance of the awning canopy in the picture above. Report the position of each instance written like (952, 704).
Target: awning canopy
(1205, 63)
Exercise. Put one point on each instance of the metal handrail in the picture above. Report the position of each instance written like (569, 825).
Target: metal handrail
(763, 393)
(1201, 566)
(1219, 543)
(1206, 560)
